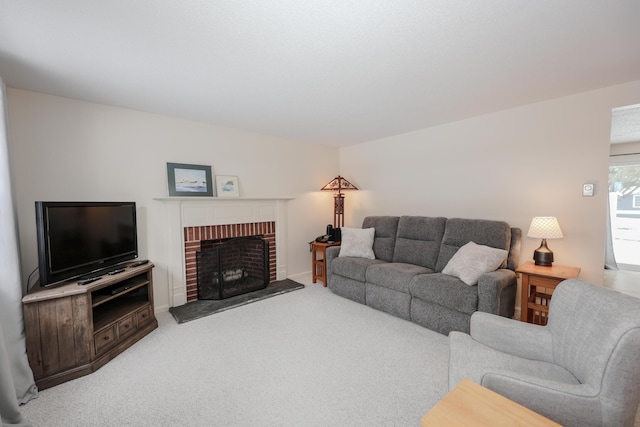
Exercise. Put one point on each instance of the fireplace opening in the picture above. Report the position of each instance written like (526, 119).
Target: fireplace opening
(230, 267)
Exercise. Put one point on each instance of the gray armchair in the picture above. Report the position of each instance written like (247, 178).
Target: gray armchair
(581, 369)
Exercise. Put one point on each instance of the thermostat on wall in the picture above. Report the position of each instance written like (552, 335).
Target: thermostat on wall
(587, 190)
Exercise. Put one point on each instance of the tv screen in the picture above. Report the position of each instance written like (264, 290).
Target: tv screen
(79, 238)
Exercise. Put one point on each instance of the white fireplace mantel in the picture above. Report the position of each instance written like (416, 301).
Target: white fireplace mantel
(181, 212)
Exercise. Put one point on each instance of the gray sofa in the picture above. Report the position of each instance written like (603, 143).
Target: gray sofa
(405, 278)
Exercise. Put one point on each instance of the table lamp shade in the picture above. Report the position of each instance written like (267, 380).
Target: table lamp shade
(545, 227)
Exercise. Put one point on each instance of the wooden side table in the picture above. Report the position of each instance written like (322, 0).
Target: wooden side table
(470, 404)
(318, 261)
(538, 283)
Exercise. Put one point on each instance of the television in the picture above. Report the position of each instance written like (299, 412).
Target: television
(81, 239)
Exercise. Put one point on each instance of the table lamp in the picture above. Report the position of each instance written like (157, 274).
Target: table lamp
(338, 183)
(544, 227)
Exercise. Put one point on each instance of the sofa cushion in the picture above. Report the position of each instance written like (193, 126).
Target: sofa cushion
(472, 261)
(458, 232)
(357, 242)
(394, 275)
(384, 241)
(447, 291)
(419, 239)
(353, 268)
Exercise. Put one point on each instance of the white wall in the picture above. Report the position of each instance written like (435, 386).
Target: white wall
(511, 165)
(63, 149)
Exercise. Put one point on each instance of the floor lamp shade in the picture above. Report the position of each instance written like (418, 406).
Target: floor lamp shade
(544, 227)
(338, 184)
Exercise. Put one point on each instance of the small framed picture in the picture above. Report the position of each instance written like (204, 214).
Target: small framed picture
(227, 186)
(189, 180)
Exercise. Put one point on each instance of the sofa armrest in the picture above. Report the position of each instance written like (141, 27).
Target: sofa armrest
(332, 252)
(497, 292)
(512, 336)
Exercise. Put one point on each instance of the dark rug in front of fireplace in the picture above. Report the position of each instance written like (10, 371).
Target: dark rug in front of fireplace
(196, 309)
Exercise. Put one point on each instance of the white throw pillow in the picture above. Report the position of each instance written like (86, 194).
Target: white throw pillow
(473, 260)
(357, 242)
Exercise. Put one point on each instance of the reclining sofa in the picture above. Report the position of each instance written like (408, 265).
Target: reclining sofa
(406, 280)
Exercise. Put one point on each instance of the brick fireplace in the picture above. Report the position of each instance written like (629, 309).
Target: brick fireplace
(190, 219)
(194, 236)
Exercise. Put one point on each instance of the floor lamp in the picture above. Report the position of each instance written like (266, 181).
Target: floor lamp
(338, 184)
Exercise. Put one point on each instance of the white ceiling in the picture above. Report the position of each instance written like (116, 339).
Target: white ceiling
(335, 72)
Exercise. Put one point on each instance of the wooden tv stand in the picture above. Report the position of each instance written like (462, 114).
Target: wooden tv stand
(72, 330)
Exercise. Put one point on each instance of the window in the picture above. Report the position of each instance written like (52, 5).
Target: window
(624, 201)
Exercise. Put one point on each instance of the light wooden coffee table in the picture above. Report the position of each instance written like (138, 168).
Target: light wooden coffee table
(470, 404)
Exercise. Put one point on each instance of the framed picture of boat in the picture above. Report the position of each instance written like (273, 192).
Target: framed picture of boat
(189, 180)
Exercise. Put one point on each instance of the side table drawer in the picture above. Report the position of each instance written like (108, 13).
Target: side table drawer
(544, 282)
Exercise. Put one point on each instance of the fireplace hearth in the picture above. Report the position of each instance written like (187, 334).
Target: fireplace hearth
(230, 267)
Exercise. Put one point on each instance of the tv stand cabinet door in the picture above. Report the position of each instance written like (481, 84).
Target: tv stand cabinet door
(58, 339)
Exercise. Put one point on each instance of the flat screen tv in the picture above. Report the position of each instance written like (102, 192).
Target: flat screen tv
(77, 239)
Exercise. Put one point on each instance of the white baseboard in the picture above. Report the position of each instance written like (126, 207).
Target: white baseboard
(301, 276)
(161, 308)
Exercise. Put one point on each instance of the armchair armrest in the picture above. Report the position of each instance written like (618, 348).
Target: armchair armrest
(512, 336)
(568, 404)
